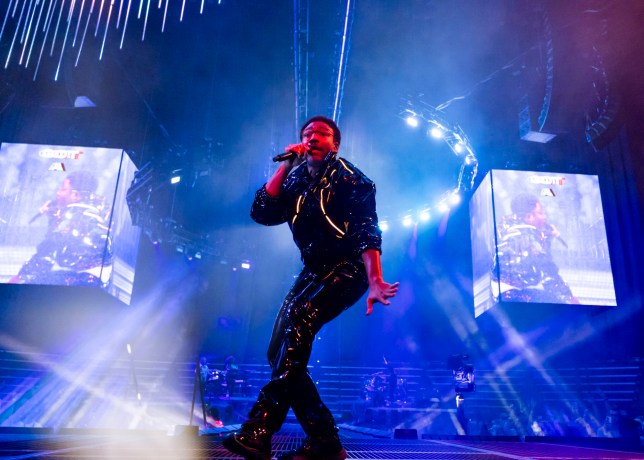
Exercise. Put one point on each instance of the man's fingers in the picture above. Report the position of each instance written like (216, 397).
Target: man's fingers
(369, 306)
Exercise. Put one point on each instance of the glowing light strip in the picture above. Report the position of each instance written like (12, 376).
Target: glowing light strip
(89, 17)
(98, 19)
(165, 14)
(52, 8)
(23, 18)
(62, 49)
(53, 40)
(118, 18)
(15, 33)
(326, 216)
(345, 165)
(340, 83)
(107, 27)
(42, 8)
(127, 15)
(25, 38)
(297, 208)
(78, 23)
(6, 16)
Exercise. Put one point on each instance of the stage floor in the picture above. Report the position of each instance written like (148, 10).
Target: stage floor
(106, 444)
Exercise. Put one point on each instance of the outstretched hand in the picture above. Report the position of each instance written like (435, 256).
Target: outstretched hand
(380, 291)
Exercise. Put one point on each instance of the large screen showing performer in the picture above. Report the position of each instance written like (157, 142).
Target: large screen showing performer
(64, 219)
(539, 237)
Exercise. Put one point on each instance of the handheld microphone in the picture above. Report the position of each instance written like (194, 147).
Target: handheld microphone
(35, 218)
(49, 210)
(285, 156)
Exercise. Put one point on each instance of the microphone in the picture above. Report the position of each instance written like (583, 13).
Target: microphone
(48, 211)
(285, 156)
(561, 240)
(35, 218)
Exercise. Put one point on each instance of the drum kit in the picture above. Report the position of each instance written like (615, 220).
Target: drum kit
(224, 384)
(379, 392)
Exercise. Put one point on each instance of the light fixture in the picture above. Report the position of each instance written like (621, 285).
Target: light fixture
(412, 121)
(438, 126)
(436, 132)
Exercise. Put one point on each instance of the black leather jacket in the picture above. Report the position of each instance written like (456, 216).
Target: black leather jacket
(333, 217)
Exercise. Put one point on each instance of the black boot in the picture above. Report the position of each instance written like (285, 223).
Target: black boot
(318, 449)
(253, 441)
(322, 440)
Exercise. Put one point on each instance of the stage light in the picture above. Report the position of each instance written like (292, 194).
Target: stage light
(539, 137)
(83, 102)
(458, 148)
(442, 207)
(175, 179)
(197, 255)
(245, 265)
(455, 199)
(412, 121)
(129, 349)
(384, 225)
(424, 215)
(407, 221)
(436, 133)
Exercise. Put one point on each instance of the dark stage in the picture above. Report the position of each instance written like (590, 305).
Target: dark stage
(76, 444)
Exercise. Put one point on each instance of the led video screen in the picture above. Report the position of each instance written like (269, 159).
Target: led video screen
(539, 237)
(64, 219)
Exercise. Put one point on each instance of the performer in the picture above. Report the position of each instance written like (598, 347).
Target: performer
(231, 370)
(528, 272)
(76, 249)
(330, 208)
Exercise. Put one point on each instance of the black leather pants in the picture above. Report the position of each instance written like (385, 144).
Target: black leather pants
(312, 302)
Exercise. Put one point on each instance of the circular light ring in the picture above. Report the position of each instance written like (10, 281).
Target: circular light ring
(451, 133)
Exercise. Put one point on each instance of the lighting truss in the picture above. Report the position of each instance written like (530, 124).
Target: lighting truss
(424, 116)
(151, 215)
(454, 137)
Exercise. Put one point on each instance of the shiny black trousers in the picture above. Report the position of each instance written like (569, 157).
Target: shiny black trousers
(312, 302)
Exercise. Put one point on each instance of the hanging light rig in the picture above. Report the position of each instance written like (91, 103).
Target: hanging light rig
(419, 115)
(31, 28)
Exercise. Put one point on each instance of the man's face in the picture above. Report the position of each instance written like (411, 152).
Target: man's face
(66, 194)
(537, 217)
(318, 139)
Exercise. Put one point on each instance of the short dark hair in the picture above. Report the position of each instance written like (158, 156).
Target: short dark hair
(336, 131)
(83, 181)
(523, 204)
